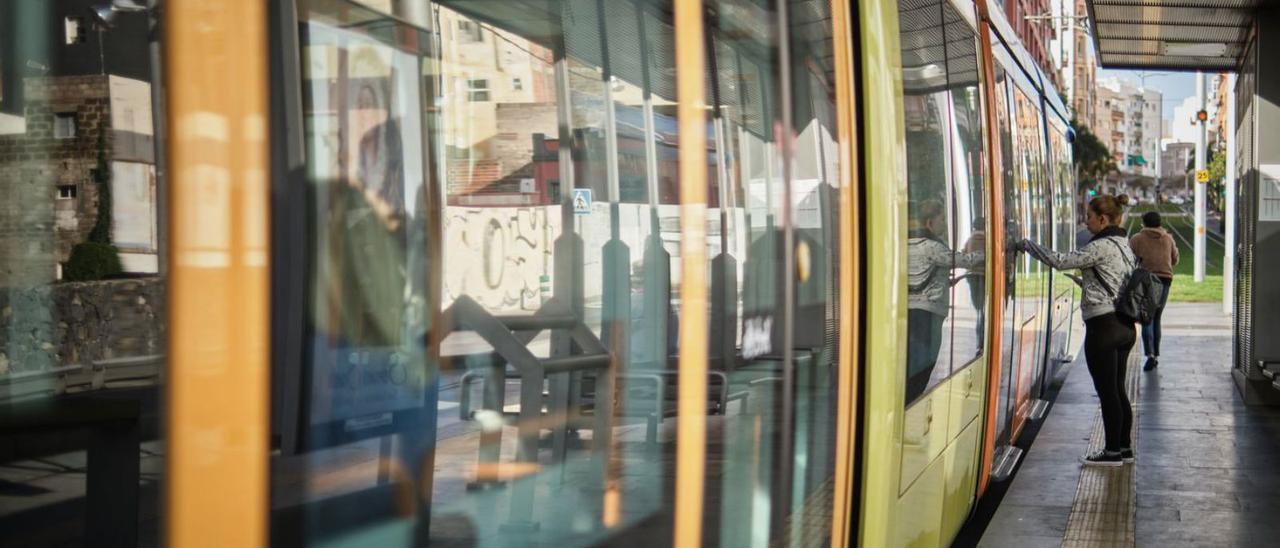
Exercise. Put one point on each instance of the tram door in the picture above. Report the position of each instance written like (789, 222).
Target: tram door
(1028, 273)
(1063, 287)
(1013, 231)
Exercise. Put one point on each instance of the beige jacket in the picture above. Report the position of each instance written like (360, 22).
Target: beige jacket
(1155, 248)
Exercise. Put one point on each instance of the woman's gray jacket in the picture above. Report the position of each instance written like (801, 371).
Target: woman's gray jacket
(1105, 264)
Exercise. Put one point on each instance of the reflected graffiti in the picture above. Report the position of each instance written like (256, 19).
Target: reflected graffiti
(498, 255)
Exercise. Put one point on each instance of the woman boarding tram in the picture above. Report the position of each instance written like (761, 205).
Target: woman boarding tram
(1106, 263)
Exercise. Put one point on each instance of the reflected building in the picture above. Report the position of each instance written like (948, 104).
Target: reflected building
(1130, 124)
(83, 315)
(68, 124)
(67, 105)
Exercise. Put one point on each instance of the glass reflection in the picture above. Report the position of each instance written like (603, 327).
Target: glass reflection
(83, 315)
(946, 195)
(493, 265)
(930, 261)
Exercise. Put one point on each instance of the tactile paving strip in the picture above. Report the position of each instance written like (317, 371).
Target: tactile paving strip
(1103, 512)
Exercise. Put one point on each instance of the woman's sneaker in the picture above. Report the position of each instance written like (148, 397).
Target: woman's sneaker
(1127, 455)
(1104, 458)
(1152, 363)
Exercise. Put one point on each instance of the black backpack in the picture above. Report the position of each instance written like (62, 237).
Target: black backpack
(1139, 299)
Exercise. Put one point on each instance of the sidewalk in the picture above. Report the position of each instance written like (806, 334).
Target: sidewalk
(1206, 473)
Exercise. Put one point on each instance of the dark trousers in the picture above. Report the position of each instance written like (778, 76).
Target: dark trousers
(1151, 331)
(924, 344)
(1107, 342)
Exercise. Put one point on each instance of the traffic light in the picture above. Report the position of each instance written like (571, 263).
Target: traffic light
(1202, 116)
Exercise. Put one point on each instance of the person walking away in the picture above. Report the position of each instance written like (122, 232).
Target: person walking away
(1158, 254)
(1105, 264)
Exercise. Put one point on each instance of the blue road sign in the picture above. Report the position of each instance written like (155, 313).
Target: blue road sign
(582, 201)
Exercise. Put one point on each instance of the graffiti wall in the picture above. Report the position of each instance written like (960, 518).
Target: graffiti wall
(500, 256)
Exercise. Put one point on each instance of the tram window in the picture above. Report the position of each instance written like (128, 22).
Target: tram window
(967, 321)
(930, 255)
(83, 301)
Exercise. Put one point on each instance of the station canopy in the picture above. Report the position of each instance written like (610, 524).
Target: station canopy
(1206, 35)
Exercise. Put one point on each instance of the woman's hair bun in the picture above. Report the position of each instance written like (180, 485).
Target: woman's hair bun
(1123, 199)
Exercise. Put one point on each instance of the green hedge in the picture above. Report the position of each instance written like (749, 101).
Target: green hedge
(92, 261)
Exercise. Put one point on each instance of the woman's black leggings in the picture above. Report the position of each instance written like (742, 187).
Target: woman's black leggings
(1107, 342)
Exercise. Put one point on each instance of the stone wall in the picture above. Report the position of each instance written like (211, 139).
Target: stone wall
(76, 323)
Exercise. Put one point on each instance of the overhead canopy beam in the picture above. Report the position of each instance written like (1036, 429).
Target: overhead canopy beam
(1206, 35)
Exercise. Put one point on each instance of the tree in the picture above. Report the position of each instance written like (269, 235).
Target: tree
(1090, 157)
(1216, 164)
(101, 232)
(1217, 178)
(96, 258)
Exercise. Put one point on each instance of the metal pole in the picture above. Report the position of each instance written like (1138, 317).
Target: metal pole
(1229, 217)
(159, 128)
(102, 55)
(1200, 197)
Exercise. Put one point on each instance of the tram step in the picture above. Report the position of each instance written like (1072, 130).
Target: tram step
(1006, 460)
(1039, 409)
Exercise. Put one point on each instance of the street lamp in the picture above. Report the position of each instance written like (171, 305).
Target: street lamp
(104, 15)
(107, 12)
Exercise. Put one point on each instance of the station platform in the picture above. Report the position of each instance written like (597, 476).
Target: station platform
(1206, 471)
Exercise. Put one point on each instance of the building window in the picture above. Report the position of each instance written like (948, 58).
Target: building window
(469, 31)
(66, 192)
(73, 30)
(516, 84)
(478, 90)
(64, 125)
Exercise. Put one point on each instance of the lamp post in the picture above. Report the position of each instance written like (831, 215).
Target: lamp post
(1201, 137)
(1229, 217)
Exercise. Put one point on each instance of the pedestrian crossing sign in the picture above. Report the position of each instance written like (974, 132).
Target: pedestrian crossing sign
(582, 201)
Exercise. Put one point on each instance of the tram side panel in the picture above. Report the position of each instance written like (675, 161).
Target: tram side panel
(941, 364)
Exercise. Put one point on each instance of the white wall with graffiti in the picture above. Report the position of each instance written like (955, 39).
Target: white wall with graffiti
(500, 256)
(503, 256)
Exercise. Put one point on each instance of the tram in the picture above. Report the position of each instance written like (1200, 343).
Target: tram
(590, 272)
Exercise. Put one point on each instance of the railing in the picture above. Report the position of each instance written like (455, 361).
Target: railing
(126, 372)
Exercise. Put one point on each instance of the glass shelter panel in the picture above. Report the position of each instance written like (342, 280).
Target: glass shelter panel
(489, 350)
(83, 309)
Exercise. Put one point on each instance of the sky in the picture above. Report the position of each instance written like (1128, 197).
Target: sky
(1176, 86)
